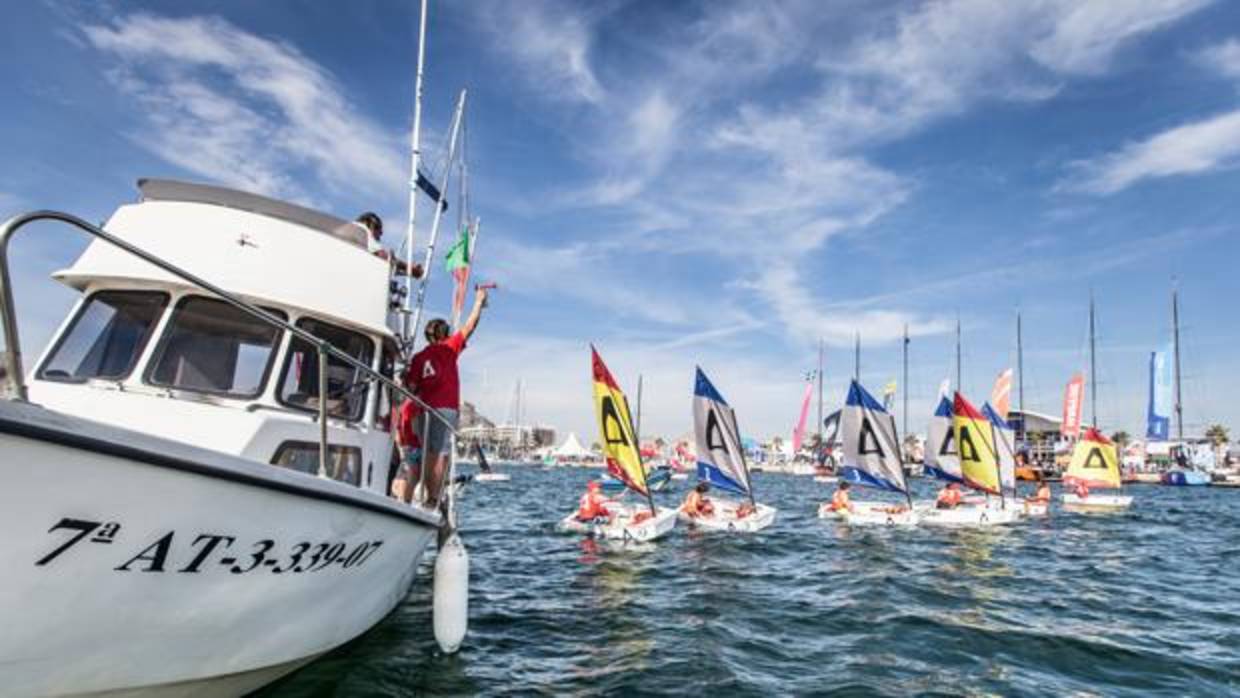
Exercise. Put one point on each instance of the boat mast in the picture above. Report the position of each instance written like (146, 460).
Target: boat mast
(857, 360)
(1175, 325)
(637, 429)
(820, 348)
(1093, 367)
(439, 206)
(1020, 378)
(415, 156)
(959, 384)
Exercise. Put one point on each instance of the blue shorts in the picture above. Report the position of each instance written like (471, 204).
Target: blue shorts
(436, 438)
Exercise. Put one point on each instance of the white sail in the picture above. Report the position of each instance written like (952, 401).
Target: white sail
(1005, 436)
(941, 459)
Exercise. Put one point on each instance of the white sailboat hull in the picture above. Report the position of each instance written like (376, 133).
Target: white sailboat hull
(622, 527)
(492, 477)
(137, 566)
(724, 519)
(1096, 502)
(871, 514)
(971, 516)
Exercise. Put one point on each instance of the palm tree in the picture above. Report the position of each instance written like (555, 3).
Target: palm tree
(1218, 435)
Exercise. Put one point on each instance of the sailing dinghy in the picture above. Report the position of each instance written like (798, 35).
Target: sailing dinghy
(871, 458)
(620, 449)
(1095, 464)
(980, 470)
(721, 462)
(1004, 438)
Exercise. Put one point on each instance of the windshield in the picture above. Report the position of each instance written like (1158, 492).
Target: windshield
(346, 386)
(213, 347)
(106, 337)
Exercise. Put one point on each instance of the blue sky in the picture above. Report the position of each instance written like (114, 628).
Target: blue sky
(707, 183)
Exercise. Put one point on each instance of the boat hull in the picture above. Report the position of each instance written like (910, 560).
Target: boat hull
(871, 514)
(724, 519)
(137, 570)
(971, 516)
(1185, 478)
(622, 527)
(1096, 502)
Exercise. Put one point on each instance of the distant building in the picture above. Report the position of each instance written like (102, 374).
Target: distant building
(1037, 432)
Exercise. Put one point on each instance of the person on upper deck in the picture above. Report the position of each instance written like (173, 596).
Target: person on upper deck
(373, 226)
(433, 376)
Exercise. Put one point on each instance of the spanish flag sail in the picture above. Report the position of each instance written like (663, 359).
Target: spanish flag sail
(975, 447)
(616, 427)
(1094, 462)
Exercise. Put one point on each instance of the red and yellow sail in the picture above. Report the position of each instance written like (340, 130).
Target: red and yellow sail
(616, 427)
(975, 446)
(1095, 462)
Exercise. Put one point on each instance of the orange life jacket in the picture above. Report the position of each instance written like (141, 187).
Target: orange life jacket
(839, 501)
(591, 506)
(949, 497)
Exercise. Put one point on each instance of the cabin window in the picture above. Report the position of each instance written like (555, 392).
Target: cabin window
(346, 385)
(344, 463)
(214, 347)
(106, 337)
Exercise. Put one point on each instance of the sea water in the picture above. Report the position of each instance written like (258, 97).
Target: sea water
(1136, 603)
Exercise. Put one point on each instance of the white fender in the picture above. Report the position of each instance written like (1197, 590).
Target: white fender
(450, 606)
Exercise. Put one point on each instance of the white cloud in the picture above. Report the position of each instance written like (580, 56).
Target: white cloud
(1086, 35)
(1192, 148)
(243, 109)
(550, 42)
(1223, 58)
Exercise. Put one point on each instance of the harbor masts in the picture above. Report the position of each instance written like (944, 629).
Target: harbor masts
(1175, 333)
(430, 245)
(1093, 367)
(416, 157)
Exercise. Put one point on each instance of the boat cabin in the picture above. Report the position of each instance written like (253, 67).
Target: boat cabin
(142, 349)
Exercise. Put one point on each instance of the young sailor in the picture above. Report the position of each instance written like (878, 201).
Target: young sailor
(1043, 495)
(745, 509)
(949, 497)
(840, 501)
(593, 505)
(697, 504)
(1081, 490)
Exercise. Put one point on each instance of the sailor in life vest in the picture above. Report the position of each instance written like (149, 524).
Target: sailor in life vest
(697, 504)
(949, 497)
(593, 505)
(840, 501)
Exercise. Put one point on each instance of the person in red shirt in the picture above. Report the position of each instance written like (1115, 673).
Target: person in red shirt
(432, 376)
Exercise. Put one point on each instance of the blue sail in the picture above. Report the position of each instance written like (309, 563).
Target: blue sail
(1158, 412)
(871, 449)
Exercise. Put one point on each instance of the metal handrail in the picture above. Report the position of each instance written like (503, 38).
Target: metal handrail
(13, 359)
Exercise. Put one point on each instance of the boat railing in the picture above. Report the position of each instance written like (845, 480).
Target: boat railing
(12, 357)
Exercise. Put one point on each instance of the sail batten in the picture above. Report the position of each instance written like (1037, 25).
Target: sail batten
(720, 461)
(871, 447)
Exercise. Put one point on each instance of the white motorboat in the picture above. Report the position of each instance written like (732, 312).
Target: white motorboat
(185, 513)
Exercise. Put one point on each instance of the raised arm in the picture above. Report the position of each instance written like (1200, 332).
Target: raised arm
(471, 323)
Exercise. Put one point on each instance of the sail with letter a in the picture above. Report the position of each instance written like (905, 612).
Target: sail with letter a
(975, 446)
(616, 426)
(1095, 462)
(871, 447)
(941, 460)
(720, 459)
(1004, 436)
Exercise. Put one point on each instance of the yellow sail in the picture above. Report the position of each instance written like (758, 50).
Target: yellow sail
(975, 445)
(1095, 462)
(616, 426)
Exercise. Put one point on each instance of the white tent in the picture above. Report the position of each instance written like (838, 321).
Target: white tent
(571, 448)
